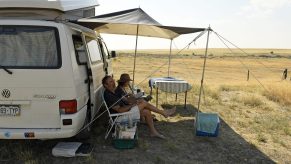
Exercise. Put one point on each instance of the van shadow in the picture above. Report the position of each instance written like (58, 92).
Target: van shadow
(183, 145)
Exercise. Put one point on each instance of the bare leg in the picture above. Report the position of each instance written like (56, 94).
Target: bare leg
(150, 123)
(146, 105)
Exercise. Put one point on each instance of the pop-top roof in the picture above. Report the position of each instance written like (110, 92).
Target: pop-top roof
(62, 5)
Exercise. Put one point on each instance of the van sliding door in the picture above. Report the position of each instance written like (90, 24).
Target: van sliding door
(96, 72)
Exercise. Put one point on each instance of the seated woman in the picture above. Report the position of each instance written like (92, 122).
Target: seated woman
(120, 106)
(123, 83)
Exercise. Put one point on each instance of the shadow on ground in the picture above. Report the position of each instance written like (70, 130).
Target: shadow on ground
(181, 146)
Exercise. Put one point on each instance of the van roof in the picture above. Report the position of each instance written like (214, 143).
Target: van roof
(62, 5)
(47, 9)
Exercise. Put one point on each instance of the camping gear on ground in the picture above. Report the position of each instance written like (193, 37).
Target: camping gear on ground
(169, 85)
(125, 136)
(125, 131)
(72, 149)
(207, 124)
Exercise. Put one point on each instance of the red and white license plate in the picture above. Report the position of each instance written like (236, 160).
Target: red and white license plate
(9, 110)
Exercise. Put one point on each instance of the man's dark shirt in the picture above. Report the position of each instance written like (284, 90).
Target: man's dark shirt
(121, 93)
(112, 98)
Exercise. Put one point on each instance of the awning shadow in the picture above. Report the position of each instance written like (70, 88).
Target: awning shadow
(228, 147)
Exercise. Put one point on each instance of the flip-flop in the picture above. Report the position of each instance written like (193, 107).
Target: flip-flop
(160, 136)
(173, 111)
(154, 118)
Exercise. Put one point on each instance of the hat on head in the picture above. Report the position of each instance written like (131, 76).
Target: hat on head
(124, 78)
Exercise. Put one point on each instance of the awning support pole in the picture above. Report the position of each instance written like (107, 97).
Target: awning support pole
(204, 65)
(134, 63)
(169, 66)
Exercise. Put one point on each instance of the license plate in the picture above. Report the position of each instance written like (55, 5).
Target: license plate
(9, 110)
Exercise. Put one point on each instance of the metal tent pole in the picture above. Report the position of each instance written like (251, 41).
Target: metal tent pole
(170, 58)
(204, 65)
(134, 63)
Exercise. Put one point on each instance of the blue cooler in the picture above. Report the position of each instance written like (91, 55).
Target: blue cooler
(207, 124)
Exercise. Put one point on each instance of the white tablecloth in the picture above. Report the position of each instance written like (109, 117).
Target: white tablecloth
(170, 85)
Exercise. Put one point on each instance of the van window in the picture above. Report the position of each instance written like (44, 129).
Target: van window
(105, 50)
(80, 50)
(94, 50)
(29, 47)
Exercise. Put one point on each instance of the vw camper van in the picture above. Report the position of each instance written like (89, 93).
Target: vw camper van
(50, 69)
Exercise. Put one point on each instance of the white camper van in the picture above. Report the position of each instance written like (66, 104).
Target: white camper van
(50, 69)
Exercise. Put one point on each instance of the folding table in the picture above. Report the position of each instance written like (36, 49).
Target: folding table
(169, 85)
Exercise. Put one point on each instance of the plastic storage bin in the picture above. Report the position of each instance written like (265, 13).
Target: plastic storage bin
(125, 137)
(207, 124)
(125, 143)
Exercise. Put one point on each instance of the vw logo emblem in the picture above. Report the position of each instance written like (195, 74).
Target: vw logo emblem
(5, 93)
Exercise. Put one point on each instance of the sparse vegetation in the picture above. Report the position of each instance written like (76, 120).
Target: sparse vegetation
(252, 101)
(279, 93)
(262, 138)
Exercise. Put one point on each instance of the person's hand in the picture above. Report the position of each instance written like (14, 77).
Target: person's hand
(131, 100)
(139, 101)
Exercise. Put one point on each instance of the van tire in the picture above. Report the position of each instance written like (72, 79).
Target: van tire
(85, 133)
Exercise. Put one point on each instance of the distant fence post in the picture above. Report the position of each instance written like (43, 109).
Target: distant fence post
(285, 72)
(248, 77)
(113, 54)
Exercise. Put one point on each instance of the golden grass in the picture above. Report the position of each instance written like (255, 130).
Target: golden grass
(213, 52)
(279, 93)
(259, 109)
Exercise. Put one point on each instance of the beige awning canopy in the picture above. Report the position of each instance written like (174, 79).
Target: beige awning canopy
(135, 22)
(126, 23)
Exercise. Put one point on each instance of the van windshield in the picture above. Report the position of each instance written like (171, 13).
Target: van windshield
(29, 47)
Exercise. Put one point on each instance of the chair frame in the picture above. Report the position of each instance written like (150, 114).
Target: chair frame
(112, 121)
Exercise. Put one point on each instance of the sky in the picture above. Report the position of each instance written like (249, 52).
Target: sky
(245, 23)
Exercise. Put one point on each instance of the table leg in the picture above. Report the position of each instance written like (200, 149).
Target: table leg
(157, 96)
(185, 99)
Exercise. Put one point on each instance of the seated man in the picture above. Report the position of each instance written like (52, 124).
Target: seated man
(117, 105)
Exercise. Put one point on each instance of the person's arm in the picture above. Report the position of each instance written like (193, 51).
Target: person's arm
(131, 99)
(122, 109)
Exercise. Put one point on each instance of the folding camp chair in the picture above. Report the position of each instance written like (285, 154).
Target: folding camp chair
(114, 118)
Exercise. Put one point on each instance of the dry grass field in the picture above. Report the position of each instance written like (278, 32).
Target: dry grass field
(255, 114)
(258, 110)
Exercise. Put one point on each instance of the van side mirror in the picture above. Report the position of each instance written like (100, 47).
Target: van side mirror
(113, 54)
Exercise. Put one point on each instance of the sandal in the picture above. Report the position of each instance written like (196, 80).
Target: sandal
(154, 118)
(160, 136)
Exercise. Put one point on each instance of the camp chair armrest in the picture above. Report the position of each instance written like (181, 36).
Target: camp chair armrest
(121, 114)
